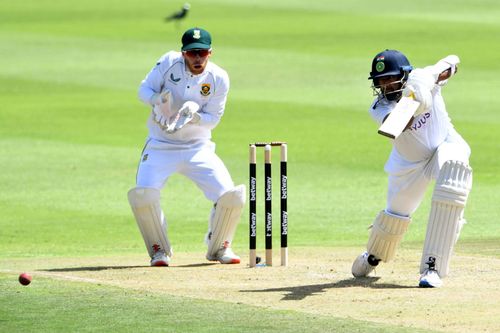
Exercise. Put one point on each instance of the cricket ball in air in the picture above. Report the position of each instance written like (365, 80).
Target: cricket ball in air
(24, 279)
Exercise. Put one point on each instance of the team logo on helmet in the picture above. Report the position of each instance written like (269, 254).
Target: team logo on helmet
(205, 89)
(196, 34)
(380, 66)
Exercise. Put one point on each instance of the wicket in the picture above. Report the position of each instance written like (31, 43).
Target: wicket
(268, 202)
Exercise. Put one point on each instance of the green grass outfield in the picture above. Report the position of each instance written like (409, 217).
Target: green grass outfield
(83, 307)
(72, 129)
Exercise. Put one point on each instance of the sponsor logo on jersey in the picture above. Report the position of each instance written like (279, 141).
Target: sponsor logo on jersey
(420, 122)
(174, 79)
(145, 157)
(205, 89)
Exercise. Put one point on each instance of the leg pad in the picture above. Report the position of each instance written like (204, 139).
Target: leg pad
(446, 217)
(225, 219)
(386, 234)
(145, 203)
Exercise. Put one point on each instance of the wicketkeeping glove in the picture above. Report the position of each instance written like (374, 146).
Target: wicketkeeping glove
(160, 98)
(160, 102)
(419, 86)
(159, 117)
(187, 113)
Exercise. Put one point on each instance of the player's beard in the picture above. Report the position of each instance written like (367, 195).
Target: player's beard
(393, 96)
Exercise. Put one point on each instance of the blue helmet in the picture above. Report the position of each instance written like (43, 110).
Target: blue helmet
(390, 63)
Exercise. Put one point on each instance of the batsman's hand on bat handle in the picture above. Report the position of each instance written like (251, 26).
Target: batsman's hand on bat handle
(160, 98)
(421, 95)
(419, 86)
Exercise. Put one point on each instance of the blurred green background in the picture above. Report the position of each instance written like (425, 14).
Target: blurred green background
(72, 128)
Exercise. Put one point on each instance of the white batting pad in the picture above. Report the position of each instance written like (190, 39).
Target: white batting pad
(387, 232)
(446, 217)
(145, 203)
(225, 219)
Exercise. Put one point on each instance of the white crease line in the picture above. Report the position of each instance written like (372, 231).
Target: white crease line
(57, 276)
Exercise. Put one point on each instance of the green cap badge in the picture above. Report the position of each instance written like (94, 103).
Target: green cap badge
(196, 38)
(380, 66)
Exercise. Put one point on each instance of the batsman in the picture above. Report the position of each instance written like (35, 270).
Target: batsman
(428, 149)
(187, 95)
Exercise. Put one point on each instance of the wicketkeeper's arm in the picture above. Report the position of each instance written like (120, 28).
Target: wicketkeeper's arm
(150, 87)
(212, 112)
(151, 90)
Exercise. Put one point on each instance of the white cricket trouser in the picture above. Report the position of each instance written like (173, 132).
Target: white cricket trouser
(201, 165)
(405, 192)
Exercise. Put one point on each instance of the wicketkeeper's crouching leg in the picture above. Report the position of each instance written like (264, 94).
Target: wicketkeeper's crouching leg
(222, 226)
(386, 233)
(145, 203)
(445, 221)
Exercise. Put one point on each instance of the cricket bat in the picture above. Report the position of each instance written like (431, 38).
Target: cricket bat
(399, 117)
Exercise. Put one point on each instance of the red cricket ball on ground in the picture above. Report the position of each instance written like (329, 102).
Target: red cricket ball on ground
(24, 279)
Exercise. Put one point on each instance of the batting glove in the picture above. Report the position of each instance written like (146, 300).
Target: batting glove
(449, 63)
(419, 86)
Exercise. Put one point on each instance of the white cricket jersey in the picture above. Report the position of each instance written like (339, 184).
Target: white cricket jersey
(416, 145)
(209, 89)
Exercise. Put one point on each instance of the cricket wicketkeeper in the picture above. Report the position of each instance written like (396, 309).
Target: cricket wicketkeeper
(429, 148)
(187, 95)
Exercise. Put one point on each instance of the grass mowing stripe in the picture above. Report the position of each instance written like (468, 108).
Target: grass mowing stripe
(60, 306)
(72, 130)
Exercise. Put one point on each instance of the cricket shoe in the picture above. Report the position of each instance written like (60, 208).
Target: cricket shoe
(225, 256)
(364, 264)
(430, 279)
(160, 259)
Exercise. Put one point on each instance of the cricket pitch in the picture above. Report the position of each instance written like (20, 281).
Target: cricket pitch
(317, 281)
